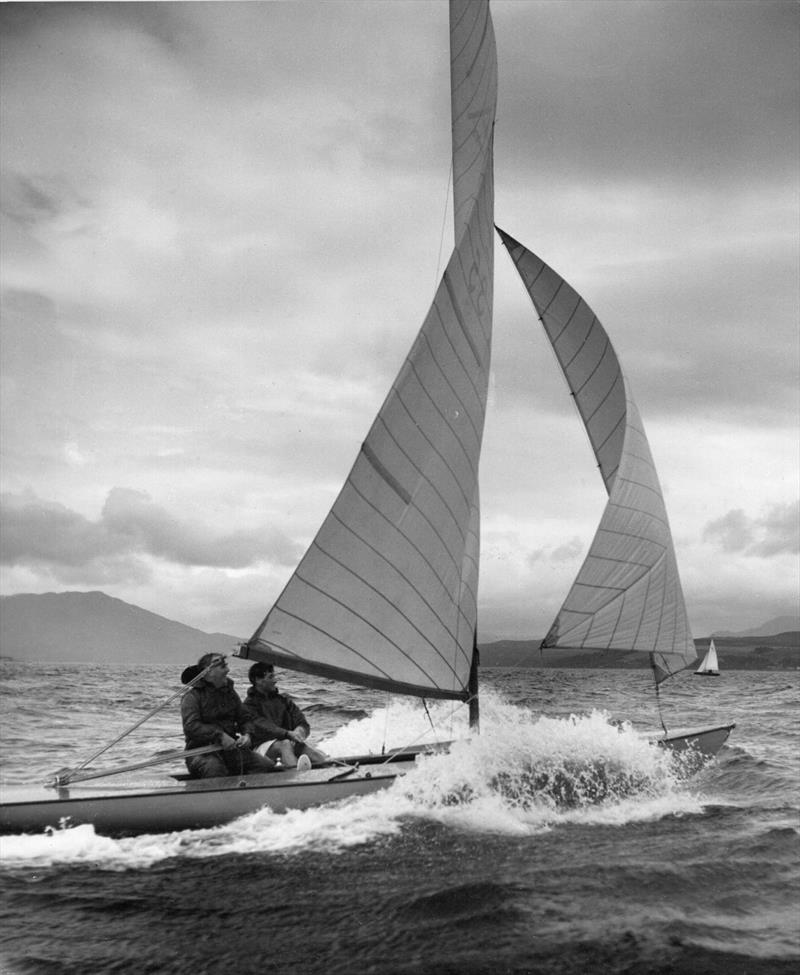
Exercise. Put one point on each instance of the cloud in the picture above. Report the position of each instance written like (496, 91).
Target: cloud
(130, 526)
(45, 531)
(776, 532)
(641, 88)
(568, 552)
(132, 515)
(780, 531)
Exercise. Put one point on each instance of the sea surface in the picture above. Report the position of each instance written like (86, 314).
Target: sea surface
(558, 841)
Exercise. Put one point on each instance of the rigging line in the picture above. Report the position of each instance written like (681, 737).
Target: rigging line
(444, 224)
(430, 719)
(658, 704)
(400, 751)
(385, 723)
(141, 721)
(65, 777)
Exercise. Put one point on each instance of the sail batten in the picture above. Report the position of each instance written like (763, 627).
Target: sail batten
(627, 594)
(386, 594)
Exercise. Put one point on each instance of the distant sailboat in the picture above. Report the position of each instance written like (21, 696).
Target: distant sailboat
(386, 595)
(710, 666)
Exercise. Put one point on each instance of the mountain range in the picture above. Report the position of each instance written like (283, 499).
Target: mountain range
(91, 626)
(780, 624)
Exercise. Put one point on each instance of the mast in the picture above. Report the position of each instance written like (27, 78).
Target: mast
(474, 705)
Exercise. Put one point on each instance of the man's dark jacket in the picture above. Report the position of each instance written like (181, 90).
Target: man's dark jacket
(207, 711)
(272, 715)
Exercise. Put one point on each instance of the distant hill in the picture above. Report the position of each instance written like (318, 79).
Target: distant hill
(781, 624)
(91, 626)
(781, 651)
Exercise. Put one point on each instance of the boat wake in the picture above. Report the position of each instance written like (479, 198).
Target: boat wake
(522, 775)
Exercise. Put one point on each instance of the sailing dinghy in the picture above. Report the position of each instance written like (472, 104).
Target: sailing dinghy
(709, 666)
(386, 595)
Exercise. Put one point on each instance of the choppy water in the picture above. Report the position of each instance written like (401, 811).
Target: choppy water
(554, 843)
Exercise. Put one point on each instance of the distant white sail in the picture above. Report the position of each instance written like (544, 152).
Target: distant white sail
(386, 594)
(710, 665)
(627, 595)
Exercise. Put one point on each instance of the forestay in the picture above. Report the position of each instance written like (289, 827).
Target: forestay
(386, 594)
(627, 595)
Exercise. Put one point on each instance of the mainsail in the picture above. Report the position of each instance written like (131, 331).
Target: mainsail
(627, 595)
(386, 594)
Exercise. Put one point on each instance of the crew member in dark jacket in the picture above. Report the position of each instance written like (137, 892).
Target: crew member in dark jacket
(278, 721)
(213, 714)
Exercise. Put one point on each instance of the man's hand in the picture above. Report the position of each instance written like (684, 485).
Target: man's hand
(243, 741)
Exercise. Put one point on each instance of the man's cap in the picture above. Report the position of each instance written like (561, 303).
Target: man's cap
(190, 673)
(202, 664)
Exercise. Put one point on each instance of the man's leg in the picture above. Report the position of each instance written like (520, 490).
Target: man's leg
(317, 757)
(207, 766)
(253, 762)
(283, 750)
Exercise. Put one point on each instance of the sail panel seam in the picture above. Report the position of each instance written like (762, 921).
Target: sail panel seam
(456, 354)
(597, 365)
(636, 537)
(462, 532)
(434, 448)
(582, 346)
(366, 621)
(452, 389)
(460, 319)
(641, 511)
(554, 339)
(409, 541)
(602, 402)
(614, 429)
(485, 293)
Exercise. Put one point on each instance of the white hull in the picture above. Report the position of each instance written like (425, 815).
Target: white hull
(206, 803)
(705, 741)
(166, 805)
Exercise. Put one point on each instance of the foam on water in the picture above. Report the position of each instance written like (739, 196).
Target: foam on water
(400, 723)
(522, 775)
(525, 774)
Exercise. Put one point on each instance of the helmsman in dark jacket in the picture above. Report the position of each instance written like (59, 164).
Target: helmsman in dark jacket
(213, 714)
(277, 720)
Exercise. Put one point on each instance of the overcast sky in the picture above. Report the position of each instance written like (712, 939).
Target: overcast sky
(222, 228)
